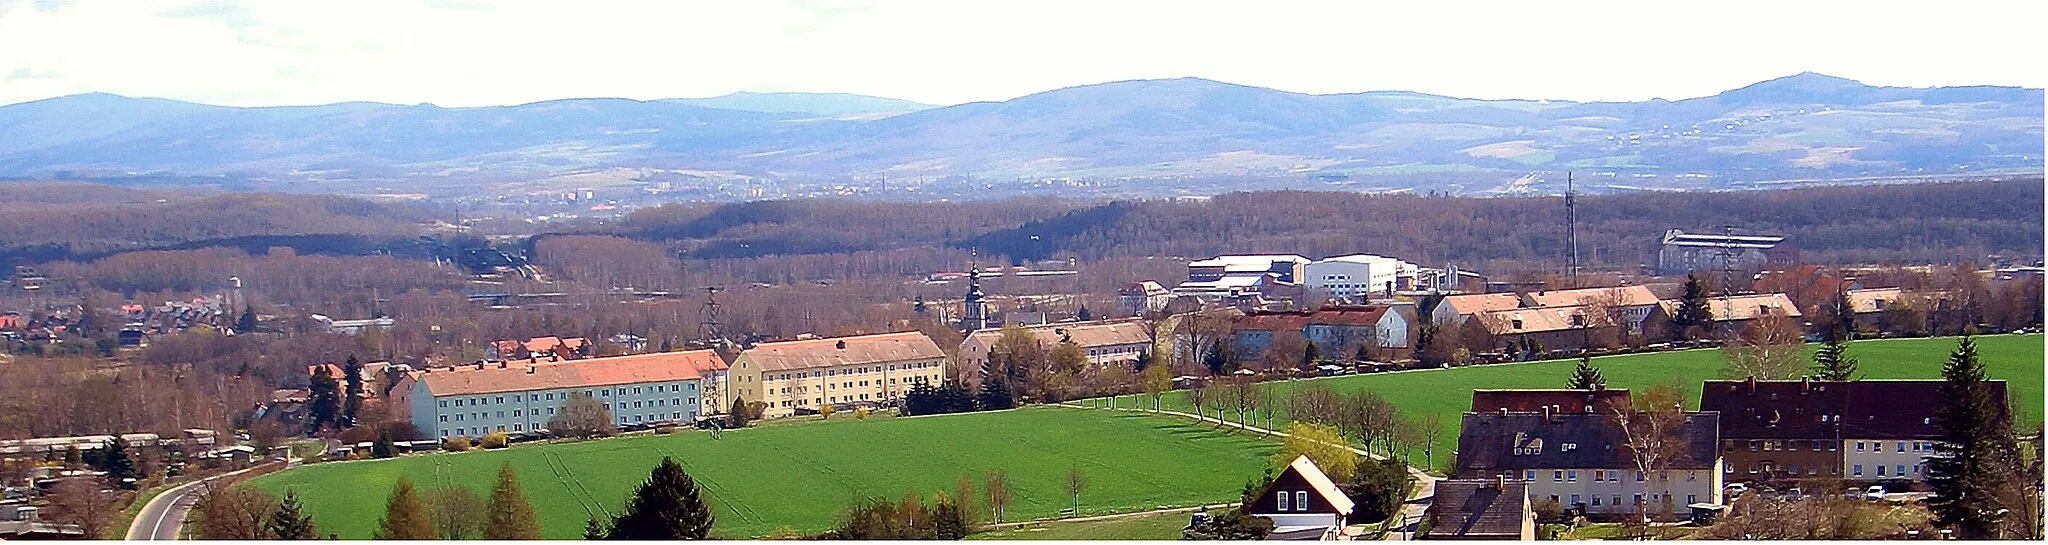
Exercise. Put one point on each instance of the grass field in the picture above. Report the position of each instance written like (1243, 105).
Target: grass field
(801, 476)
(1152, 527)
(1447, 393)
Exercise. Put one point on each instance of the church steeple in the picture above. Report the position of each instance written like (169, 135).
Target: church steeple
(974, 311)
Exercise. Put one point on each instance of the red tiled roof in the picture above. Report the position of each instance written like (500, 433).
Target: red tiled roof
(1086, 335)
(832, 352)
(520, 377)
(1481, 302)
(1623, 296)
(538, 344)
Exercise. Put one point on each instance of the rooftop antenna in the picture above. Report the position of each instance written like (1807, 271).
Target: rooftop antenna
(1571, 232)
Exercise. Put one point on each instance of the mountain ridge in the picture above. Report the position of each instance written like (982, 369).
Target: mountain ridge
(1803, 125)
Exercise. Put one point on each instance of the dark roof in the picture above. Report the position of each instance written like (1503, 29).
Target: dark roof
(1488, 442)
(1334, 315)
(1479, 508)
(1566, 400)
(1863, 409)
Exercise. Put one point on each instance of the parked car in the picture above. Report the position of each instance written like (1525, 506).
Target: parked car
(1736, 489)
(1874, 493)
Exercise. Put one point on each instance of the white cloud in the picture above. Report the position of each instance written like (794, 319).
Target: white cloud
(454, 52)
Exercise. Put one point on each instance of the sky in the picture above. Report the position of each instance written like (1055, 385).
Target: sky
(474, 53)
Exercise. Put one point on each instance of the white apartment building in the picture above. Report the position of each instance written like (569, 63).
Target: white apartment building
(843, 372)
(521, 396)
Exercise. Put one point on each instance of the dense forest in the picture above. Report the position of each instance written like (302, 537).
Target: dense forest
(48, 222)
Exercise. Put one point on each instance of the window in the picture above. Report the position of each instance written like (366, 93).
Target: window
(1691, 476)
(1283, 501)
(501, 400)
(1639, 499)
(1529, 475)
(1301, 500)
(1755, 445)
(1571, 475)
(1880, 470)
(551, 396)
(518, 427)
(1902, 446)
(515, 412)
(1856, 470)
(1599, 475)
(551, 411)
(1639, 476)
(1692, 499)
(1792, 469)
(444, 418)
(1596, 501)
(1859, 446)
(533, 397)
(444, 404)
(1899, 470)
(1556, 476)
(1575, 499)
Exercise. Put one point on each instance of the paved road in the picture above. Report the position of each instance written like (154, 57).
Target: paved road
(161, 518)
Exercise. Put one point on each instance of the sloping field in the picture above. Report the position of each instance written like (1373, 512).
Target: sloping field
(800, 476)
(1447, 393)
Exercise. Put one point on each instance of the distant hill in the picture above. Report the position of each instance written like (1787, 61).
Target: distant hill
(1806, 126)
(824, 104)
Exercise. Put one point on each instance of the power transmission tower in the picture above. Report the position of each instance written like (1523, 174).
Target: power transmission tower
(708, 329)
(1571, 232)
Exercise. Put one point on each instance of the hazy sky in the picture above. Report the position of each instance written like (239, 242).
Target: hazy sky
(462, 53)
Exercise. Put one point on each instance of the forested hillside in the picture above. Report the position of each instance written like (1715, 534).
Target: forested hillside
(43, 222)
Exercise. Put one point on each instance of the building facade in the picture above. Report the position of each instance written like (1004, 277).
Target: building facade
(842, 372)
(1337, 331)
(1357, 277)
(1583, 462)
(477, 399)
(1863, 430)
(1105, 343)
(1684, 252)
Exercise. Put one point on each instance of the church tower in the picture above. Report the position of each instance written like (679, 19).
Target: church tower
(974, 311)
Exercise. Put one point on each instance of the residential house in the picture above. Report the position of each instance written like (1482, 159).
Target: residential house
(1141, 298)
(1548, 328)
(1560, 400)
(1336, 331)
(1735, 311)
(1455, 309)
(1105, 343)
(1628, 306)
(843, 372)
(1583, 461)
(1468, 509)
(1863, 430)
(1303, 503)
(476, 399)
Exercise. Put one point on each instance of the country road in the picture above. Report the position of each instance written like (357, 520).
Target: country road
(161, 518)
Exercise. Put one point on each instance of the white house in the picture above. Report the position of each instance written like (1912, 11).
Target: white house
(474, 400)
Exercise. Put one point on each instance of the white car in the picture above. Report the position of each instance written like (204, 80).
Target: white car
(1737, 489)
(1874, 493)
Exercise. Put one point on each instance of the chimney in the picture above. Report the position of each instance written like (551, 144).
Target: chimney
(841, 344)
(530, 369)
(1501, 481)
(503, 364)
(1546, 413)
(1752, 384)
(1805, 385)
(1503, 411)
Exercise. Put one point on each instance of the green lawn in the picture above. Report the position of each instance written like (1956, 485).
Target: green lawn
(1447, 393)
(1153, 527)
(801, 476)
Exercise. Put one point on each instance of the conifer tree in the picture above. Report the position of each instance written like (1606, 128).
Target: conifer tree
(1844, 315)
(247, 323)
(738, 417)
(114, 460)
(405, 517)
(593, 529)
(290, 521)
(324, 405)
(1692, 309)
(1309, 355)
(995, 395)
(352, 395)
(1975, 451)
(1586, 377)
(511, 516)
(384, 447)
(666, 507)
(1832, 361)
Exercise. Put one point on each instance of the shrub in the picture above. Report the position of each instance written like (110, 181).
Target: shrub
(826, 411)
(494, 440)
(664, 430)
(1548, 511)
(455, 444)
(860, 414)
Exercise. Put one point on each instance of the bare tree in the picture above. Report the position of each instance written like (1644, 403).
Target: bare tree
(582, 417)
(1769, 348)
(457, 512)
(1314, 403)
(1656, 438)
(1076, 482)
(82, 502)
(995, 489)
(1156, 380)
(1198, 397)
(1243, 396)
(1266, 406)
(236, 512)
